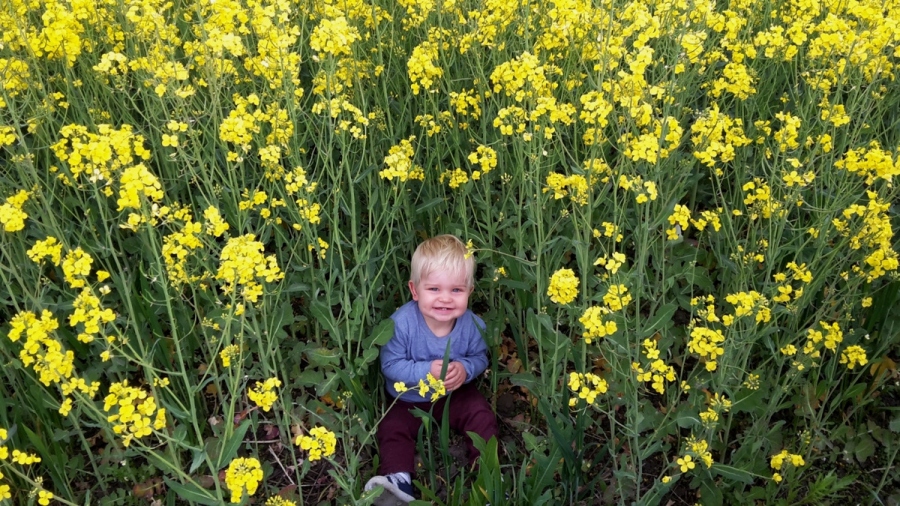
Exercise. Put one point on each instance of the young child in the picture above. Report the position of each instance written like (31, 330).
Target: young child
(441, 280)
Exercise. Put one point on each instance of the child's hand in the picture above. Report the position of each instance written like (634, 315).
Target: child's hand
(456, 376)
(436, 367)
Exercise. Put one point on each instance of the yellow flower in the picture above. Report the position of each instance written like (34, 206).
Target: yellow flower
(686, 463)
(132, 412)
(456, 177)
(66, 407)
(263, 394)
(485, 157)
(243, 474)
(76, 267)
(24, 459)
(11, 215)
(48, 248)
(853, 356)
(44, 497)
(334, 37)
(594, 326)
(587, 386)
(681, 216)
(422, 68)
(752, 382)
(279, 501)
(435, 385)
(399, 162)
(228, 354)
(215, 225)
(320, 443)
(617, 297)
(777, 460)
(563, 286)
(242, 265)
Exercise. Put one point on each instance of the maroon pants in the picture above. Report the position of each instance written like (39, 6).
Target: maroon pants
(469, 411)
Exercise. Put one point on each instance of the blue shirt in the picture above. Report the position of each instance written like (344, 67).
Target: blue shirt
(408, 355)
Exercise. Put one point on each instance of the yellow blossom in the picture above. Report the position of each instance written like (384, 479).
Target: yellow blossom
(263, 394)
(854, 355)
(243, 474)
(48, 248)
(563, 286)
(686, 463)
(320, 443)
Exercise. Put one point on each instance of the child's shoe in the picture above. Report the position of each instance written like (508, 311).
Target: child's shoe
(393, 484)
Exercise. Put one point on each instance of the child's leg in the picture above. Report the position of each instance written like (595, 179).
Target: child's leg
(470, 411)
(397, 439)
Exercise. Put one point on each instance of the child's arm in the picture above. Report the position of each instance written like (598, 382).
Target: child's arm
(396, 364)
(474, 357)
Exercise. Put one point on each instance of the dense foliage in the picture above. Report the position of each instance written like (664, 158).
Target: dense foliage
(681, 213)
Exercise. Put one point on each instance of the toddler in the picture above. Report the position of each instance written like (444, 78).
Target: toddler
(437, 317)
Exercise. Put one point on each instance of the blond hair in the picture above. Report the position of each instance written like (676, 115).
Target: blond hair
(443, 252)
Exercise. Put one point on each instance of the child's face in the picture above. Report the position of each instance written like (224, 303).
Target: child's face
(443, 297)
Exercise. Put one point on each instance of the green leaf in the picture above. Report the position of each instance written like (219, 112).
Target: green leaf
(192, 493)
(865, 448)
(562, 433)
(381, 334)
(515, 285)
(309, 377)
(733, 473)
(527, 380)
(854, 391)
(231, 446)
(710, 493)
(327, 385)
(428, 205)
(700, 278)
(322, 357)
(548, 337)
(283, 316)
(662, 319)
(531, 443)
(686, 417)
(368, 356)
(199, 457)
(894, 425)
(322, 313)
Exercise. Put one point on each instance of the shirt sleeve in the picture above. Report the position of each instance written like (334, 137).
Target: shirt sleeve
(475, 353)
(396, 360)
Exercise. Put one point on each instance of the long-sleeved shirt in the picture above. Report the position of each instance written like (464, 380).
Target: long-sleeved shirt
(408, 355)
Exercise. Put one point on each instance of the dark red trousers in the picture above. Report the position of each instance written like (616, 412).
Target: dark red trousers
(469, 411)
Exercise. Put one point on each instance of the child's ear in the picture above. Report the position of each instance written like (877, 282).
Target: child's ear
(412, 290)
